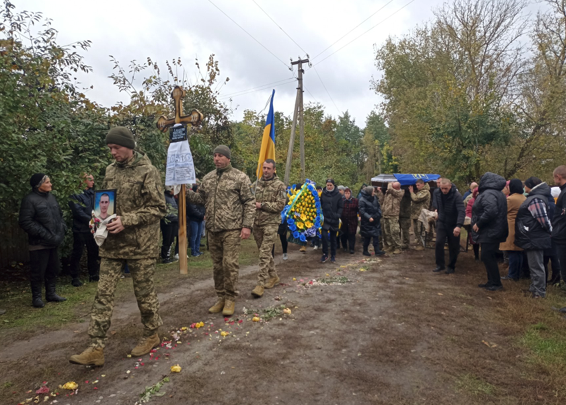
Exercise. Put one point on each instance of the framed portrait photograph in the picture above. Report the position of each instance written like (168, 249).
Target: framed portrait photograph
(104, 203)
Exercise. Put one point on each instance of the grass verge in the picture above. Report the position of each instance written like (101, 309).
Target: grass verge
(20, 316)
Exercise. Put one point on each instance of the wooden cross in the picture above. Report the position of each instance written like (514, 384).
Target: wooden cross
(163, 124)
(194, 118)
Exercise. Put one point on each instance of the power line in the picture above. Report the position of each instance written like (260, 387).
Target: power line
(323, 85)
(365, 32)
(339, 39)
(257, 87)
(307, 90)
(295, 42)
(253, 90)
(242, 28)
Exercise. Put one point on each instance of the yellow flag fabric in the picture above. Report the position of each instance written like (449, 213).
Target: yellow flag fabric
(267, 150)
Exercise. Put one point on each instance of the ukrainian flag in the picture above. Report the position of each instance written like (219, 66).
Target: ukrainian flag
(267, 150)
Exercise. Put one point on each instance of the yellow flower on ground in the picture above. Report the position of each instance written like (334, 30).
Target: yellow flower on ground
(176, 368)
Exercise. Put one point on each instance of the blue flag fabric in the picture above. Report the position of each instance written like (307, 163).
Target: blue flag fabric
(411, 179)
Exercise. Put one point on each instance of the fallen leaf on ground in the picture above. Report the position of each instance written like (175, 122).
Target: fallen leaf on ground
(71, 385)
(176, 368)
(490, 345)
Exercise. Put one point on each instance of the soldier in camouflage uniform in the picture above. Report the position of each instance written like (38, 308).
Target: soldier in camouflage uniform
(270, 197)
(391, 207)
(420, 201)
(405, 219)
(230, 209)
(133, 239)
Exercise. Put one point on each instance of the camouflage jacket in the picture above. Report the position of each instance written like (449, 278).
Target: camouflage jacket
(405, 209)
(228, 199)
(392, 202)
(421, 199)
(140, 203)
(272, 194)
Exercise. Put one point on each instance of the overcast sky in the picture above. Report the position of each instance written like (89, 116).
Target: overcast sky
(136, 29)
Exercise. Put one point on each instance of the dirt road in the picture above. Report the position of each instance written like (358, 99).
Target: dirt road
(384, 331)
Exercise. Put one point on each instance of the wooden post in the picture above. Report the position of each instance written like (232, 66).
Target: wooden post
(298, 111)
(183, 263)
(163, 123)
(291, 141)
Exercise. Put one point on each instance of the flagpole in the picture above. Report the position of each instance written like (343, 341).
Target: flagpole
(269, 103)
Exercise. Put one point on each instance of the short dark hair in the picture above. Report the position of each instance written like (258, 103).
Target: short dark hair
(420, 181)
(270, 161)
(560, 171)
(105, 195)
(318, 187)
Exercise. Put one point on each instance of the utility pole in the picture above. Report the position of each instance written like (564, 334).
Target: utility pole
(297, 114)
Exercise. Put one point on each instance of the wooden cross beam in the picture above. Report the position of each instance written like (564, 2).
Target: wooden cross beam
(163, 123)
(194, 118)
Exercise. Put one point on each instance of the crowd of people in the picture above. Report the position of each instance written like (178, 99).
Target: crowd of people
(520, 219)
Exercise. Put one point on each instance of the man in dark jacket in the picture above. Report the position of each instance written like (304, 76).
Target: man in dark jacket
(489, 225)
(533, 231)
(169, 226)
(349, 221)
(551, 255)
(450, 208)
(195, 219)
(559, 222)
(370, 213)
(42, 219)
(332, 205)
(82, 206)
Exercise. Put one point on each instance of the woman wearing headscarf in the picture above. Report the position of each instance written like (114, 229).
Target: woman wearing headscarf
(332, 204)
(515, 253)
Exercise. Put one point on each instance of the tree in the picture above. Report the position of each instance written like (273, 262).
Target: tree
(153, 99)
(450, 87)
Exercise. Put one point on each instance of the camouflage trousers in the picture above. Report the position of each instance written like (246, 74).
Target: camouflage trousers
(142, 271)
(391, 233)
(405, 224)
(419, 228)
(265, 237)
(225, 252)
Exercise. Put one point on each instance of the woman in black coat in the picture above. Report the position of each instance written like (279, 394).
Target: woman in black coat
(332, 204)
(489, 225)
(370, 212)
(42, 219)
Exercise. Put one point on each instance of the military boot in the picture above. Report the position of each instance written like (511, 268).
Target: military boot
(218, 307)
(272, 282)
(229, 307)
(257, 292)
(50, 294)
(93, 356)
(146, 345)
(36, 300)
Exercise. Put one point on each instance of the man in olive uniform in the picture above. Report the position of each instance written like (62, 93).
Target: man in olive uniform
(405, 219)
(133, 239)
(230, 209)
(390, 209)
(270, 197)
(420, 200)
